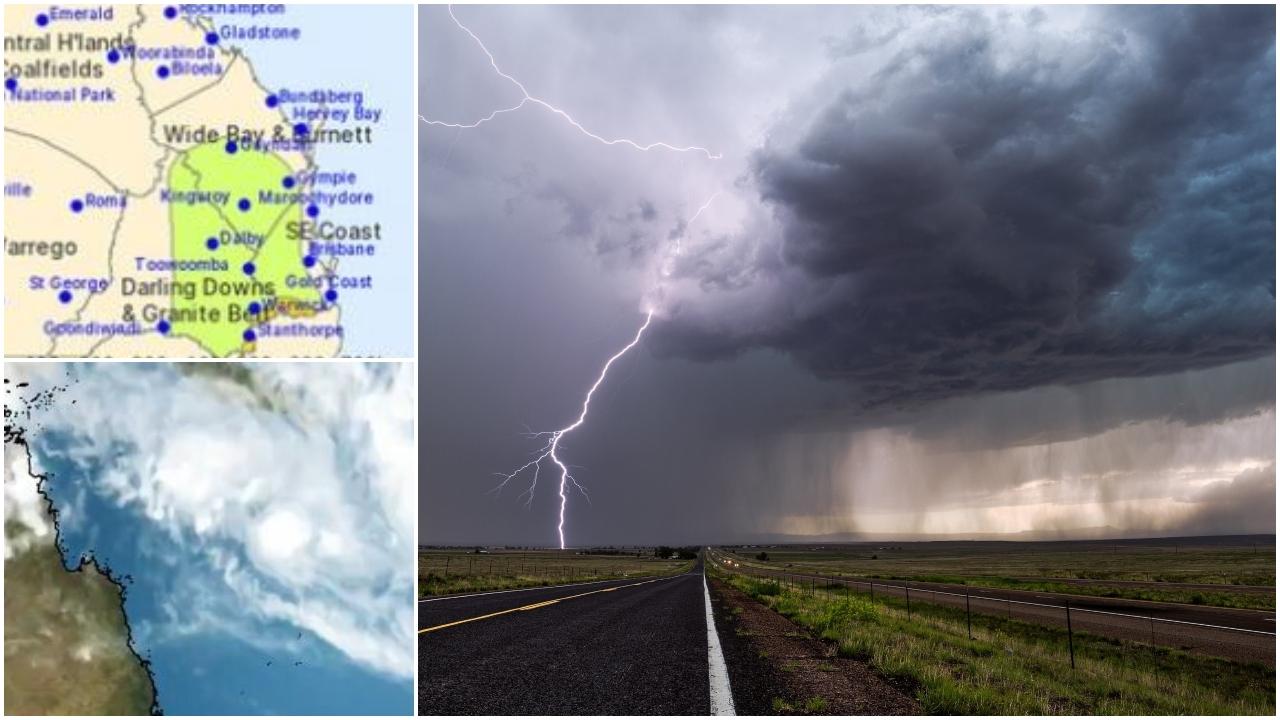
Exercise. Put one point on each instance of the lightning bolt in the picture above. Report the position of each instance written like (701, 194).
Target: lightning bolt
(668, 263)
(530, 99)
(549, 452)
(551, 448)
(558, 435)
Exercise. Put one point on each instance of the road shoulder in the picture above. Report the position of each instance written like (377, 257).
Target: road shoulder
(776, 667)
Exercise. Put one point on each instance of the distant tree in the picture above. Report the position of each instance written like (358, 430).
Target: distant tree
(665, 552)
(762, 556)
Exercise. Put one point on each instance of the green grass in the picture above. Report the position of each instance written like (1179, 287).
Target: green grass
(445, 572)
(815, 705)
(1224, 598)
(1044, 566)
(1016, 668)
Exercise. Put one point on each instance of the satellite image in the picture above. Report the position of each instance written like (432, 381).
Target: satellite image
(205, 538)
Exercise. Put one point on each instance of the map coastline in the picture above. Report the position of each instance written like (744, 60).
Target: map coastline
(15, 440)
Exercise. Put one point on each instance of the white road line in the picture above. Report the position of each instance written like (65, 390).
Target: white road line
(718, 672)
(540, 587)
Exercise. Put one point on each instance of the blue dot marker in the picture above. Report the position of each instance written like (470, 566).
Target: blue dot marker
(250, 335)
(244, 204)
(42, 20)
(163, 327)
(309, 261)
(249, 268)
(211, 38)
(77, 205)
(312, 211)
(272, 101)
(288, 182)
(171, 12)
(232, 147)
(331, 295)
(113, 56)
(162, 72)
(300, 129)
(64, 297)
(255, 307)
(211, 243)
(11, 84)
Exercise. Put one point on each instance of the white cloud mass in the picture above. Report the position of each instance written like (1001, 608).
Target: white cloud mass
(292, 484)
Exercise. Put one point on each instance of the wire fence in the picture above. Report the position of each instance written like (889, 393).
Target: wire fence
(1219, 640)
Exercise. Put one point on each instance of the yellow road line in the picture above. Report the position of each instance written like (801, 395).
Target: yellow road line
(534, 606)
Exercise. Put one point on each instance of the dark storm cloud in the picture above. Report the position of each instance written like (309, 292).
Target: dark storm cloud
(913, 203)
(1057, 413)
(974, 217)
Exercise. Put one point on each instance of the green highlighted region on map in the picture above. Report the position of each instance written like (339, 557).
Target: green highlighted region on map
(232, 254)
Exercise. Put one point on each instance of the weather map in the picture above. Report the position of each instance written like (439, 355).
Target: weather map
(209, 538)
(202, 180)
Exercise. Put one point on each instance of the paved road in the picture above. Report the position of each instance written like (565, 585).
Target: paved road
(1228, 617)
(1108, 619)
(1154, 585)
(616, 647)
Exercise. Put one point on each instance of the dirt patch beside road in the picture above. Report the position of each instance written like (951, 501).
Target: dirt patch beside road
(776, 667)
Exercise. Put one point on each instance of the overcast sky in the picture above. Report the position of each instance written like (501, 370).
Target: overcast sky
(957, 271)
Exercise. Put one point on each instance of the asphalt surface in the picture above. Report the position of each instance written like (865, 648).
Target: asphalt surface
(1203, 614)
(617, 647)
(1154, 585)
(1107, 619)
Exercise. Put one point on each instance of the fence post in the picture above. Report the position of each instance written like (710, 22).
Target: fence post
(968, 621)
(446, 567)
(1071, 643)
(907, 588)
(1153, 629)
(873, 589)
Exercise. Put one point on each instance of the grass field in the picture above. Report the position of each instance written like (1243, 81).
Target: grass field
(1146, 570)
(1016, 668)
(447, 571)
